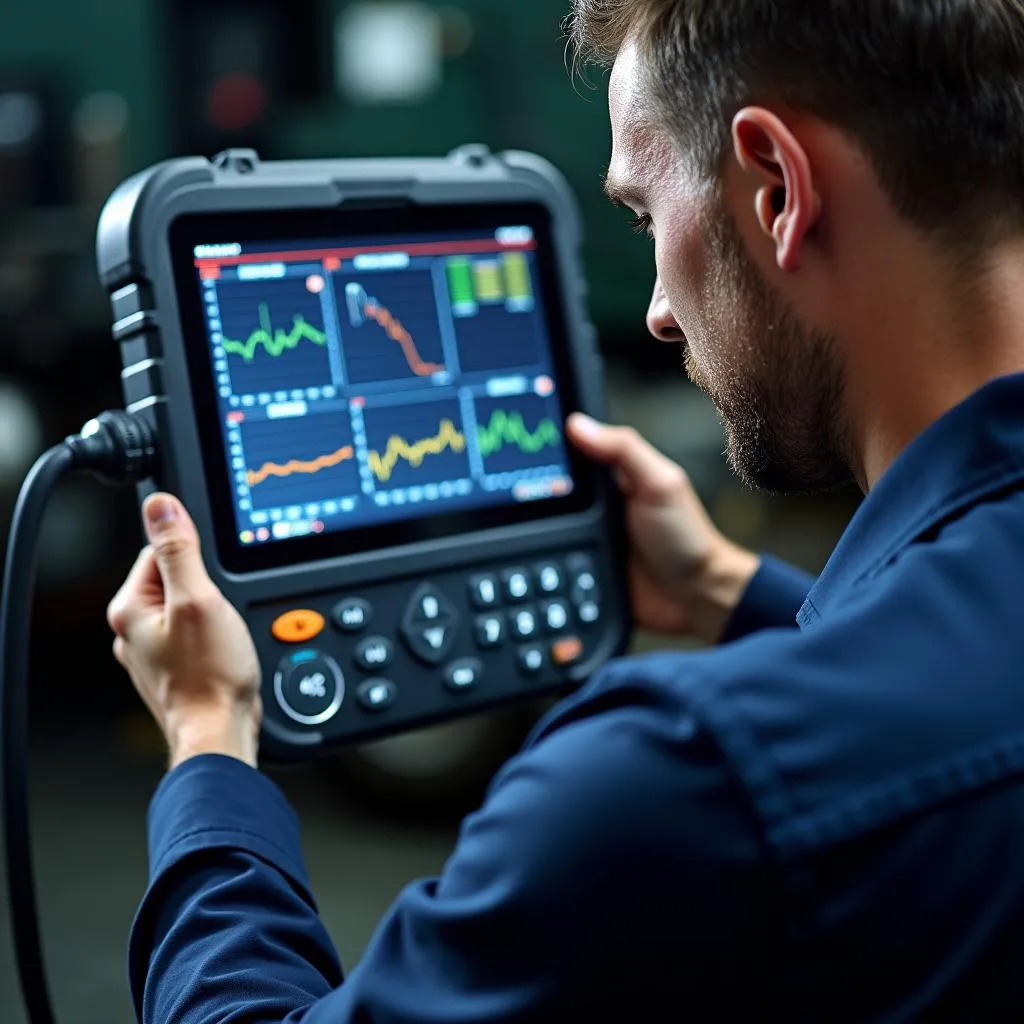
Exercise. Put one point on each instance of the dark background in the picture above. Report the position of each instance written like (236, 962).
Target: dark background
(90, 93)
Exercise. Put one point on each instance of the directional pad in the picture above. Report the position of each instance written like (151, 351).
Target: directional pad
(430, 624)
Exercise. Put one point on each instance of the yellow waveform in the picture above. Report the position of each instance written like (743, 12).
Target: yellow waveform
(447, 436)
(268, 469)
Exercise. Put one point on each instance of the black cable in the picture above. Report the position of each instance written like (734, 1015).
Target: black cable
(15, 618)
(118, 447)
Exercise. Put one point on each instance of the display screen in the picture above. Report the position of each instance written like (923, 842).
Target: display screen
(381, 377)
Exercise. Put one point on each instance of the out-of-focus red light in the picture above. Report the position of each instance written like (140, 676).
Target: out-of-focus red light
(235, 101)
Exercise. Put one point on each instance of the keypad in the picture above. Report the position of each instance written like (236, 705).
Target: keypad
(537, 615)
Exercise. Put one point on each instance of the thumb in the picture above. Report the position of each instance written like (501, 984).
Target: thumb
(638, 464)
(175, 543)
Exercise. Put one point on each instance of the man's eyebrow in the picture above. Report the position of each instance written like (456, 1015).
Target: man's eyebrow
(620, 193)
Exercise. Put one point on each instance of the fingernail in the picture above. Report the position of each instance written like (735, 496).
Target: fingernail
(161, 512)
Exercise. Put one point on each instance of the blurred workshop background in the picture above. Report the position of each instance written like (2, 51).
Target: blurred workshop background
(90, 93)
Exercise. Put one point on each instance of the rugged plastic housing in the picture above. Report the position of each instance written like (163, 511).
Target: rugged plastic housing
(135, 265)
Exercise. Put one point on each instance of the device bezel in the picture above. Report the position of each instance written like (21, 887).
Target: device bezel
(319, 228)
(133, 258)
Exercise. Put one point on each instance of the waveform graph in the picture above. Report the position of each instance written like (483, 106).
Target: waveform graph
(299, 460)
(493, 307)
(416, 445)
(519, 432)
(390, 329)
(273, 336)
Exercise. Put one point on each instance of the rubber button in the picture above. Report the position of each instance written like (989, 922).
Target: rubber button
(352, 614)
(517, 584)
(567, 651)
(531, 659)
(298, 627)
(309, 687)
(376, 694)
(374, 653)
(463, 674)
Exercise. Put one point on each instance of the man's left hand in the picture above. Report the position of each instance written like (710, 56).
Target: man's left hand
(187, 650)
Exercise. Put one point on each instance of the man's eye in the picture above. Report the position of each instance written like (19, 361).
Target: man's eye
(642, 225)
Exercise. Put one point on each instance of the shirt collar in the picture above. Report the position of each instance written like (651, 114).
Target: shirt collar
(974, 449)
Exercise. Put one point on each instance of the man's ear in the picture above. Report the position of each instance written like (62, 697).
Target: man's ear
(787, 204)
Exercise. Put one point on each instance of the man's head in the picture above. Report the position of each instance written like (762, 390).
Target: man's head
(790, 157)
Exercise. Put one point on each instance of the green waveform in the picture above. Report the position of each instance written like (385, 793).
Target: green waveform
(275, 342)
(508, 428)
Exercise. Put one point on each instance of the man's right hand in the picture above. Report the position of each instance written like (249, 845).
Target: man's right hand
(686, 577)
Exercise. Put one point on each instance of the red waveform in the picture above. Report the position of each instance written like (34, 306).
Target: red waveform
(396, 332)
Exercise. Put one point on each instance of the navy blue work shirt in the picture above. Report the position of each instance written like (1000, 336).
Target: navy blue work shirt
(820, 820)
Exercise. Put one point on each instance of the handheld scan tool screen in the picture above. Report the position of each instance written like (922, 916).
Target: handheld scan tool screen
(379, 379)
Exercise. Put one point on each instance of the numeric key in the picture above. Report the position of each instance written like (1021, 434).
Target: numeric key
(516, 583)
(490, 631)
(483, 591)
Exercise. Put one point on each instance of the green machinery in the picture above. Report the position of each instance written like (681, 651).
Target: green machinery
(504, 81)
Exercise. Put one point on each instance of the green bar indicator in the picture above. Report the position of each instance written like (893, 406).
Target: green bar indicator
(518, 286)
(460, 286)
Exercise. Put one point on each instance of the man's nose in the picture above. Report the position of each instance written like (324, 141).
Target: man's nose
(660, 321)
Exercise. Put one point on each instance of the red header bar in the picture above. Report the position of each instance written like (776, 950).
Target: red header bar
(471, 248)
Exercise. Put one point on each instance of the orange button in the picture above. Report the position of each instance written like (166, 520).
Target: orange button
(565, 652)
(297, 627)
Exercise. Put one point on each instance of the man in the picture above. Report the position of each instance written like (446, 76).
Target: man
(821, 817)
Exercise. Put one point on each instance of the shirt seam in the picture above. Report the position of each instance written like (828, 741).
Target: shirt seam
(903, 796)
(162, 862)
(992, 479)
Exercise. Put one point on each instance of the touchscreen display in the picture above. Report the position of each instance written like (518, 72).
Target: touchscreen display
(378, 378)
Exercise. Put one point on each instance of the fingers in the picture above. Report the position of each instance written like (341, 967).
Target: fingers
(136, 594)
(175, 544)
(639, 466)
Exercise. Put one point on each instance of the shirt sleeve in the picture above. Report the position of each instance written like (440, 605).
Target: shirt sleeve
(612, 866)
(771, 601)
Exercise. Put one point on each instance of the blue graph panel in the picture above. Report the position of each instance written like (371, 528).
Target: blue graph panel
(280, 326)
(493, 339)
(275, 480)
(410, 445)
(519, 432)
(389, 326)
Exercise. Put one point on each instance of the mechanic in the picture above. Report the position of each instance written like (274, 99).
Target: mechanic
(820, 817)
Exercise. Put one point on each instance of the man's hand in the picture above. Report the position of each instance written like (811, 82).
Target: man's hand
(187, 650)
(686, 577)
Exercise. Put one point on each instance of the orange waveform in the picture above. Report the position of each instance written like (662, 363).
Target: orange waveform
(396, 332)
(269, 469)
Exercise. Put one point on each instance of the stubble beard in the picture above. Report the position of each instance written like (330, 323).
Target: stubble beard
(777, 385)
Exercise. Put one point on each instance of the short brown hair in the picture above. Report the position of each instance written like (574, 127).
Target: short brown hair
(931, 90)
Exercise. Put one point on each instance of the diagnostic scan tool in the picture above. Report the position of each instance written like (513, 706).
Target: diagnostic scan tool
(359, 373)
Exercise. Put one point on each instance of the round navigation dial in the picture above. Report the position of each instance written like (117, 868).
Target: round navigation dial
(309, 687)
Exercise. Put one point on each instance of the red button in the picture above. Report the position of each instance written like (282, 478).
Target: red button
(567, 651)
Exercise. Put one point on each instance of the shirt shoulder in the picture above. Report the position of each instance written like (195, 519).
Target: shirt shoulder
(903, 697)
